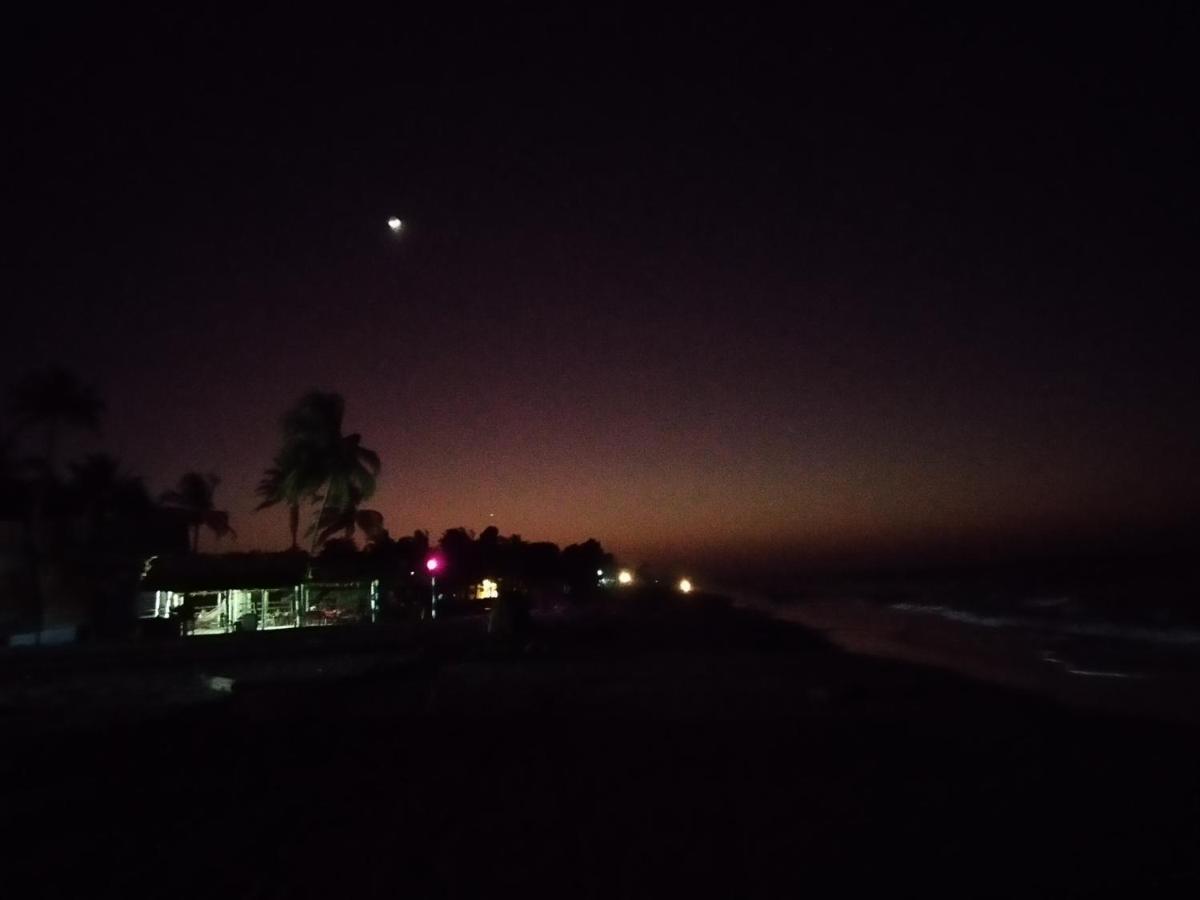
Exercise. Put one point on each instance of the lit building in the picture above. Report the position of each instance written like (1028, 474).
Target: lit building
(253, 592)
(485, 590)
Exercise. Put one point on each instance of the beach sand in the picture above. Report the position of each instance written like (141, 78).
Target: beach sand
(668, 752)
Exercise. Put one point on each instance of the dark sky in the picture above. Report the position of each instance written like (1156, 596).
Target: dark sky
(701, 288)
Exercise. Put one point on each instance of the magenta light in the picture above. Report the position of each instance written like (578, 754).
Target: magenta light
(432, 564)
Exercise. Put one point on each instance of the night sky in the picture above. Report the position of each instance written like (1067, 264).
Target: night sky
(701, 288)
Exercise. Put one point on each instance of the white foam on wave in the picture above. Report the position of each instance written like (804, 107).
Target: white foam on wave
(1141, 634)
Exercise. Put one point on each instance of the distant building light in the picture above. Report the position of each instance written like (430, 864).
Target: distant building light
(599, 573)
(395, 224)
(685, 586)
(625, 577)
(487, 590)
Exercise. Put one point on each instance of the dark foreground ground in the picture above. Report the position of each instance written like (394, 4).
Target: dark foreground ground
(665, 754)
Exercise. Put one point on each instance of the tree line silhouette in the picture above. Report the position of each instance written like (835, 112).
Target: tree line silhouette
(89, 530)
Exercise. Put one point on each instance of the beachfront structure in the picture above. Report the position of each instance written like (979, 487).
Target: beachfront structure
(265, 609)
(236, 592)
(254, 592)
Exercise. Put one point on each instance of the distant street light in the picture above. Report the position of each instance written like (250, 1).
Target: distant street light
(625, 577)
(685, 586)
(431, 565)
(395, 224)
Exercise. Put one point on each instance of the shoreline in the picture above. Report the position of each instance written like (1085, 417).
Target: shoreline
(1027, 659)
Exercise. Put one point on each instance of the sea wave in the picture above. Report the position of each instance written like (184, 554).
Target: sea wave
(1088, 628)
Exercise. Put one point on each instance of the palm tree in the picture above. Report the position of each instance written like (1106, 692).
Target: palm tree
(348, 519)
(97, 476)
(194, 497)
(50, 400)
(350, 473)
(281, 484)
(320, 463)
(54, 399)
(102, 492)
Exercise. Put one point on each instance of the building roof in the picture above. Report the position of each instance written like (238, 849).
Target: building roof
(228, 571)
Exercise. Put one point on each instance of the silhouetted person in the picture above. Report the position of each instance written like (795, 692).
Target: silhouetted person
(509, 619)
(186, 614)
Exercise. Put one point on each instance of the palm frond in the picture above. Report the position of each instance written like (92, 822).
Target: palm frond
(217, 521)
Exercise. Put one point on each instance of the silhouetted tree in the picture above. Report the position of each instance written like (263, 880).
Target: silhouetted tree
(348, 519)
(282, 483)
(457, 546)
(339, 548)
(320, 463)
(336, 463)
(105, 495)
(511, 552)
(49, 400)
(541, 561)
(487, 551)
(414, 550)
(52, 400)
(580, 564)
(193, 496)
